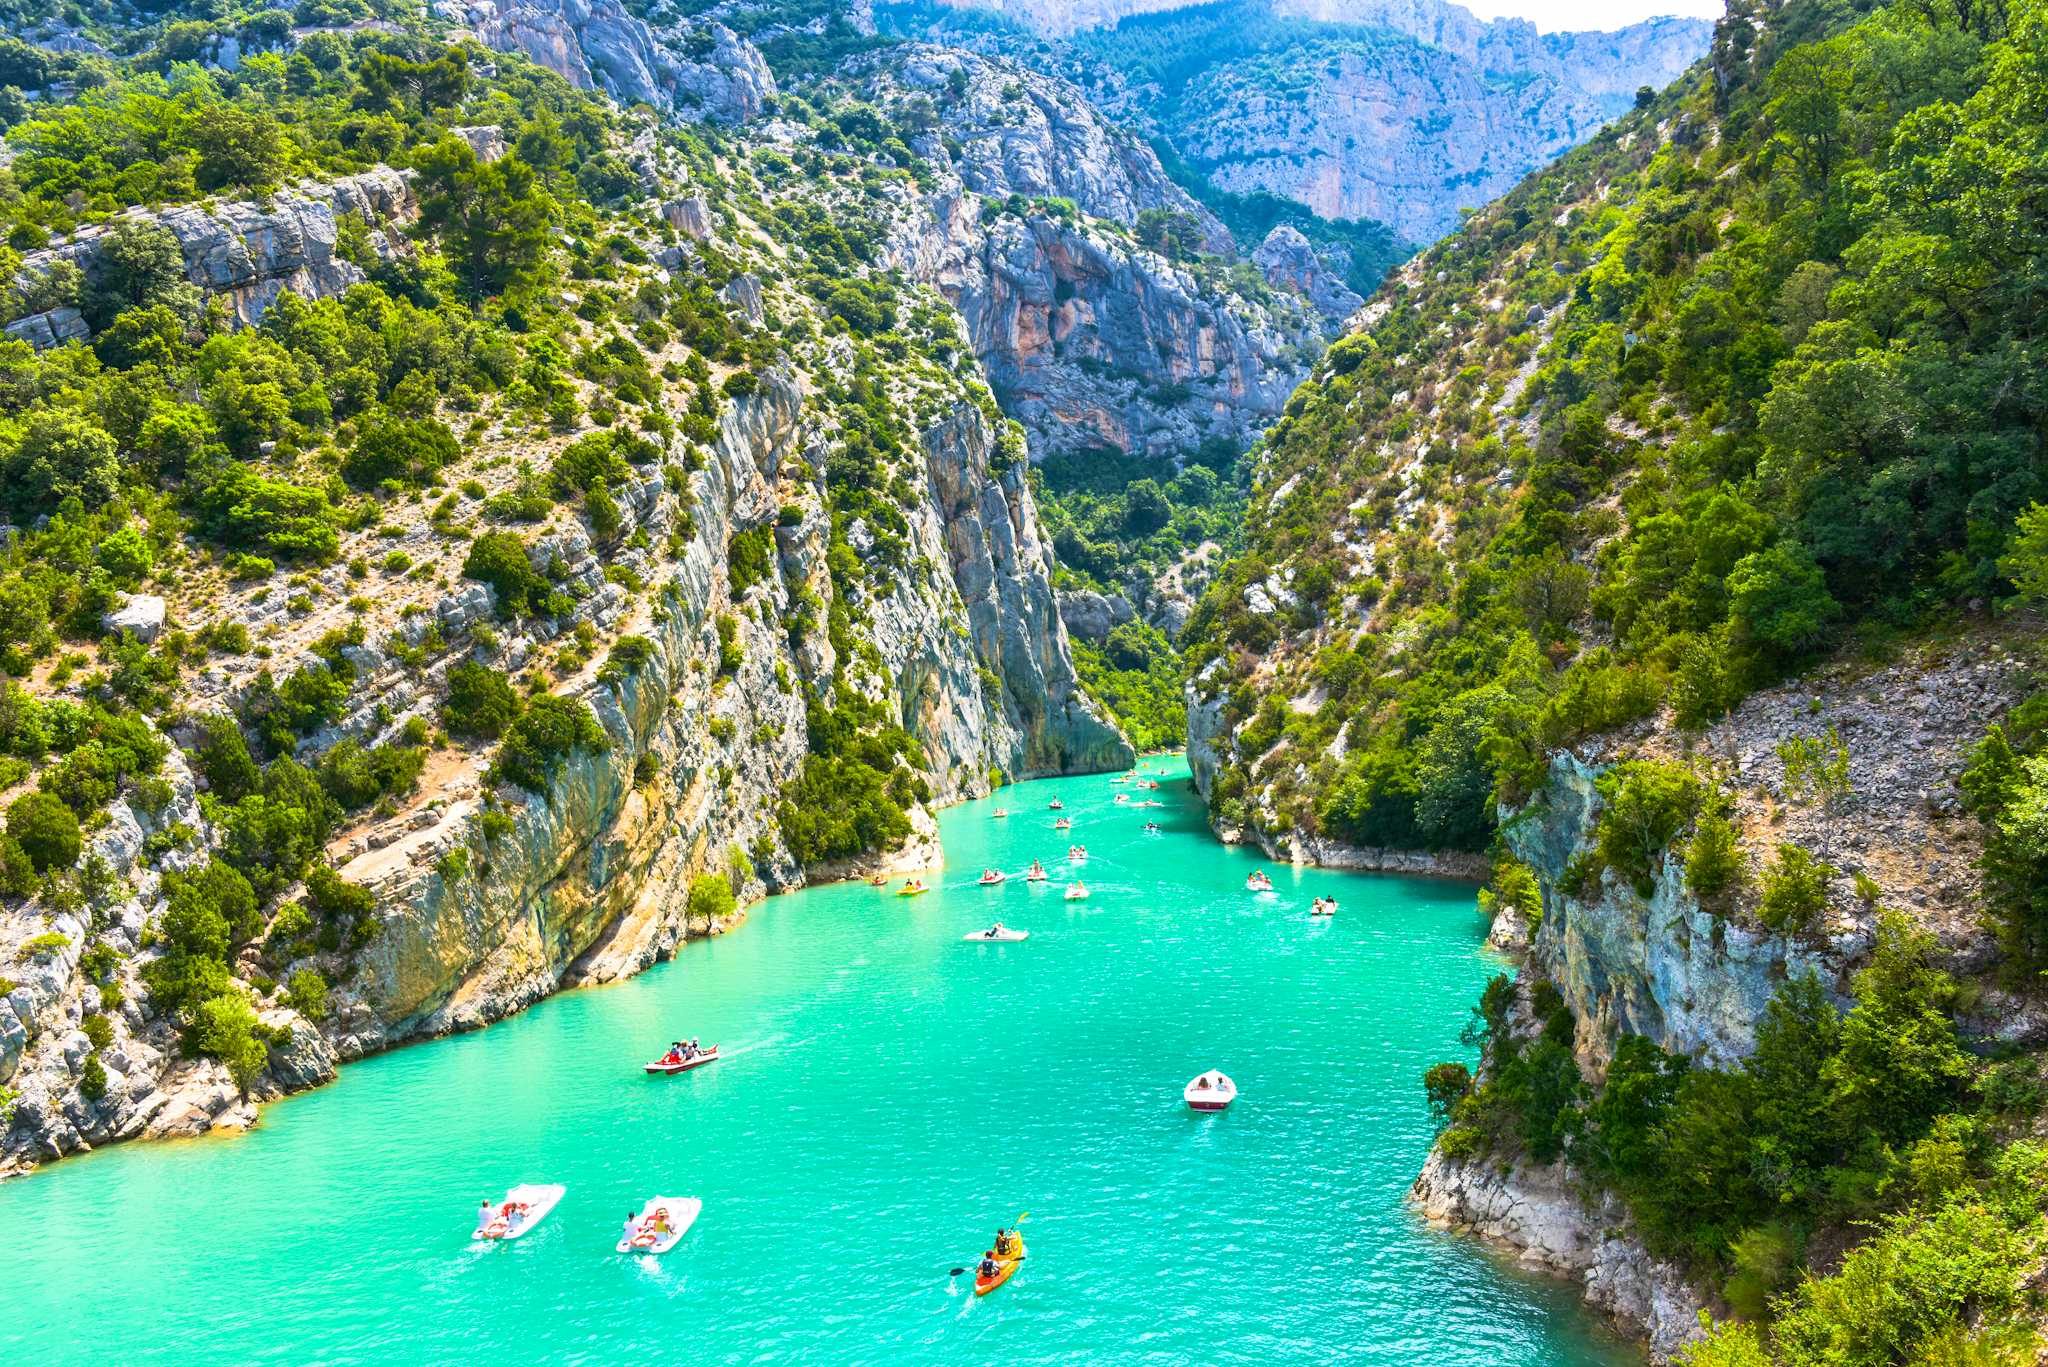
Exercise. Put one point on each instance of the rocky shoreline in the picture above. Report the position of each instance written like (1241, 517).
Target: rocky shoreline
(1541, 1217)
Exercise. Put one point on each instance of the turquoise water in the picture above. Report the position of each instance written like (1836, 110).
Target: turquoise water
(891, 1096)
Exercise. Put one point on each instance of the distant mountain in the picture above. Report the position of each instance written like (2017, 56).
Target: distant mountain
(1398, 111)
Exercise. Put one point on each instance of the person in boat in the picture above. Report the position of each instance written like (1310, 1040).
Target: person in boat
(693, 1049)
(659, 1224)
(1006, 1244)
(632, 1229)
(988, 1266)
(484, 1215)
(1037, 869)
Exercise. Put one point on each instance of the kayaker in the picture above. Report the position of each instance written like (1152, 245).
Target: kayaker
(1004, 1246)
(988, 1266)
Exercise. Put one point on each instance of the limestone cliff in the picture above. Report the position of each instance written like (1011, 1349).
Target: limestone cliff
(1089, 339)
(473, 918)
(1398, 111)
(690, 70)
(1695, 979)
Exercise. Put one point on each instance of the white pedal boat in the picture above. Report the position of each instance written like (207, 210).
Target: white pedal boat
(997, 935)
(1077, 892)
(524, 1207)
(682, 1212)
(1212, 1091)
(708, 1054)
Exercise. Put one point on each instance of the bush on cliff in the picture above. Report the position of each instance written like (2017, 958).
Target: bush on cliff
(548, 731)
(46, 831)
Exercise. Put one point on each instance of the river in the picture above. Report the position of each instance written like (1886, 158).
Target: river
(890, 1096)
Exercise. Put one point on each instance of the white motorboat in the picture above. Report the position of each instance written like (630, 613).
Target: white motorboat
(1212, 1091)
(997, 935)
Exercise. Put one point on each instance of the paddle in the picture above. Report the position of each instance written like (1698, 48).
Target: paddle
(1013, 1224)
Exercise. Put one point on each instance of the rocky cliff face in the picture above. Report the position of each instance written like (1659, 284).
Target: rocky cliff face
(587, 881)
(590, 882)
(1399, 111)
(246, 254)
(1696, 979)
(1410, 133)
(1089, 339)
(690, 70)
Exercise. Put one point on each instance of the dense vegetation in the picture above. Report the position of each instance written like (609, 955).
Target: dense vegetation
(174, 449)
(1835, 1123)
(1117, 527)
(1694, 409)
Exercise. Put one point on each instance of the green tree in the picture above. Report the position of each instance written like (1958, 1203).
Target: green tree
(493, 219)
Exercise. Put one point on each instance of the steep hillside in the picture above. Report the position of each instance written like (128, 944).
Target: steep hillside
(1673, 533)
(431, 586)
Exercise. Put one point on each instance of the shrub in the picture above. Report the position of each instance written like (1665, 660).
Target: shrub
(481, 703)
(499, 559)
(1648, 803)
(225, 1027)
(92, 1078)
(749, 558)
(1446, 1084)
(409, 450)
(1713, 859)
(45, 829)
(1795, 890)
(548, 731)
(629, 655)
(99, 1031)
(307, 992)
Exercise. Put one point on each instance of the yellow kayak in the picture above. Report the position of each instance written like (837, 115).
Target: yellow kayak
(912, 890)
(1005, 1269)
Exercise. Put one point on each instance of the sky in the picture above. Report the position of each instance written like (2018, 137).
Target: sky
(1552, 16)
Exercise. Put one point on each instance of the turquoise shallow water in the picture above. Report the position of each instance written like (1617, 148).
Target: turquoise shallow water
(891, 1096)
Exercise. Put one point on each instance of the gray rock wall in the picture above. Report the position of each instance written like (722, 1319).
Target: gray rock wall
(243, 253)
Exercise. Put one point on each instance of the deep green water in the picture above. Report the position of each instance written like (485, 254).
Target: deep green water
(892, 1095)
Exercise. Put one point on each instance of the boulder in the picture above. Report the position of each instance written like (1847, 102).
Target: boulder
(140, 614)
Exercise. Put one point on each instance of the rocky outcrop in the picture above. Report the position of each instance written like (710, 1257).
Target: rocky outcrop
(246, 253)
(1696, 979)
(1289, 262)
(1401, 111)
(1023, 133)
(1002, 563)
(1410, 134)
(1089, 340)
(691, 70)
(1541, 1218)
